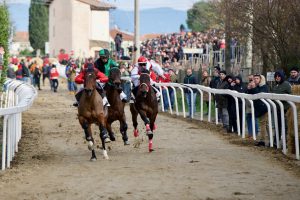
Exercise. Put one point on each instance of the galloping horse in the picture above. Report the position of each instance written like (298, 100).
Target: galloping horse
(146, 105)
(90, 110)
(116, 108)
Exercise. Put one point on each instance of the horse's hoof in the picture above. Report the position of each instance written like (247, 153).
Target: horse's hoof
(107, 140)
(126, 142)
(112, 137)
(136, 133)
(105, 156)
(93, 159)
(151, 150)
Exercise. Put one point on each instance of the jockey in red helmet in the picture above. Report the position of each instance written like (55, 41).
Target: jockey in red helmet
(151, 66)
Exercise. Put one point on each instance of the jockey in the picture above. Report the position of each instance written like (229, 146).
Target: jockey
(104, 63)
(100, 76)
(150, 65)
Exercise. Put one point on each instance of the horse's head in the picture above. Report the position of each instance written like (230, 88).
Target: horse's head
(115, 78)
(89, 82)
(144, 82)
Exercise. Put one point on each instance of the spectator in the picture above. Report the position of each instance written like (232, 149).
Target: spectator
(125, 82)
(36, 76)
(281, 87)
(231, 107)
(54, 77)
(216, 78)
(1, 56)
(71, 74)
(294, 78)
(222, 101)
(11, 72)
(166, 90)
(190, 79)
(46, 72)
(118, 43)
(205, 82)
(239, 86)
(25, 71)
(19, 72)
(260, 108)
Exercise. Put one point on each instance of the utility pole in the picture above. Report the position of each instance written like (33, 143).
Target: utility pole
(136, 54)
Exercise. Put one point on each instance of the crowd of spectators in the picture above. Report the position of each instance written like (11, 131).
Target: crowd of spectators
(170, 46)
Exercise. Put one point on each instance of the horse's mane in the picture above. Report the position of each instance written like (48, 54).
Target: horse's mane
(145, 71)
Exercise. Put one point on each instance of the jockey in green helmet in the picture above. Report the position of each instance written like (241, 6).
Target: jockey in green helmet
(104, 63)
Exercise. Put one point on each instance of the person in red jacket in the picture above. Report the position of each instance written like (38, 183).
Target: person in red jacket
(54, 77)
(100, 76)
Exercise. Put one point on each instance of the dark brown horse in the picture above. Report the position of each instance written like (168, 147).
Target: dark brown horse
(90, 111)
(116, 108)
(146, 105)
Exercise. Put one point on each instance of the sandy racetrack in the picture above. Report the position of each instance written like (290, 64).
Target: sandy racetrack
(189, 163)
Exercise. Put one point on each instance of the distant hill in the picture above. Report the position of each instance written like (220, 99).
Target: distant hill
(156, 20)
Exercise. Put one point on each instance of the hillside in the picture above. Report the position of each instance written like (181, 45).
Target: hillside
(157, 20)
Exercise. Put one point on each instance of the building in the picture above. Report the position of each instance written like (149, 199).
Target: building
(78, 26)
(20, 42)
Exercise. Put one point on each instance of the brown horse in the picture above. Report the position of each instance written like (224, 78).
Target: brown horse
(90, 110)
(116, 108)
(146, 105)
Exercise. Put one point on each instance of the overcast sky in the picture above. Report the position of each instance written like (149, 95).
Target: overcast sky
(144, 4)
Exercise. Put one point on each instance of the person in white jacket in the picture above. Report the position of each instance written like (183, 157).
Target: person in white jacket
(151, 66)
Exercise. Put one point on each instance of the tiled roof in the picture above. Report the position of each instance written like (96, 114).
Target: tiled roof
(150, 36)
(21, 37)
(126, 36)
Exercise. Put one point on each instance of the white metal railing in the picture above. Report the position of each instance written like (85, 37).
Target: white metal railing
(16, 98)
(268, 98)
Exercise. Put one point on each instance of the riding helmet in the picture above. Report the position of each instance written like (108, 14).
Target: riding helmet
(104, 53)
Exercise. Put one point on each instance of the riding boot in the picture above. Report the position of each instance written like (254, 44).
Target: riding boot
(103, 95)
(77, 97)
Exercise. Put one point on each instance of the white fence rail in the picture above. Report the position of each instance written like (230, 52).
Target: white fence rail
(16, 98)
(268, 98)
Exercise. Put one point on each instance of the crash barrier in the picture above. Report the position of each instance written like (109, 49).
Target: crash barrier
(16, 98)
(271, 100)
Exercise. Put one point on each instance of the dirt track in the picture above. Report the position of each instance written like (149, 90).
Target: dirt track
(189, 163)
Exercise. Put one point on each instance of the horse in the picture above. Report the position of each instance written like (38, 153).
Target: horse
(91, 111)
(116, 108)
(146, 105)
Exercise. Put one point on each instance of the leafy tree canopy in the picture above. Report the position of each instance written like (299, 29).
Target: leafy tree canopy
(203, 16)
(38, 25)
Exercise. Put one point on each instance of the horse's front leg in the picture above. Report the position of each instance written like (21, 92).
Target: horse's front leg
(134, 114)
(123, 130)
(110, 132)
(150, 136)
(103, 136)
(89, 138)
(146, 121)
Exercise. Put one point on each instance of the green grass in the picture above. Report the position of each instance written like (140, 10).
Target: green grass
(205, 108)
